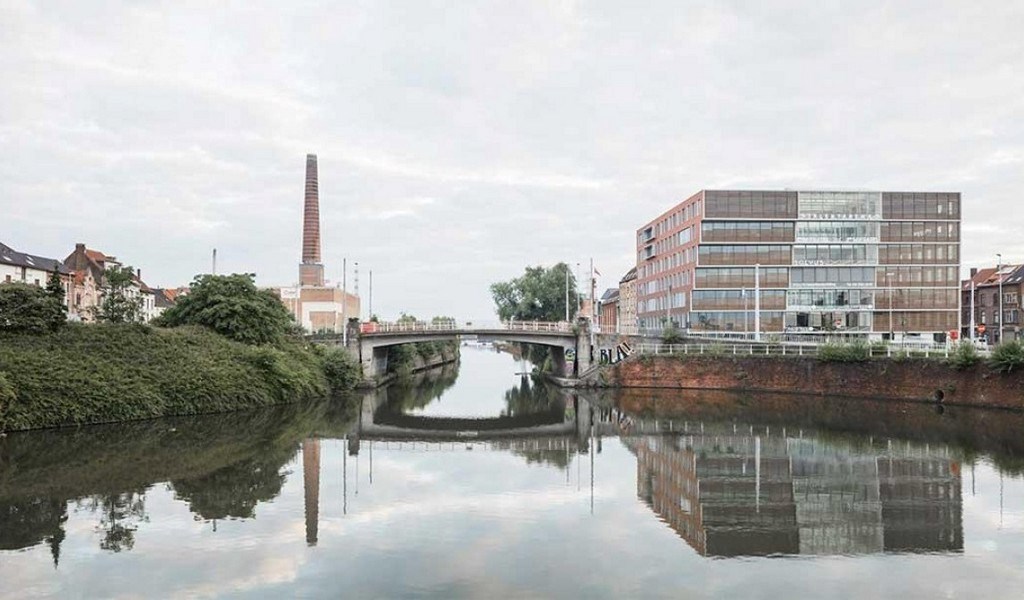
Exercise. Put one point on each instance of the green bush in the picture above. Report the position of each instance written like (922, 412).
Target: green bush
(232, 306)
(856, 351)
(342, 371)
(29, 309)
(964, 356)
(1007, 356)
(671, 334)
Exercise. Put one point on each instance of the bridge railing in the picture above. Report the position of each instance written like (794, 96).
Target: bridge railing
(784, 349)
(466, 326)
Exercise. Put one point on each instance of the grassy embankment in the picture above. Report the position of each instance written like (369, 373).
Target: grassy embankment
(108, 373)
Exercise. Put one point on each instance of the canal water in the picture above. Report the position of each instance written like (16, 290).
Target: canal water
(475, 481)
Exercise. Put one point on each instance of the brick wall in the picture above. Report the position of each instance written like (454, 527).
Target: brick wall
(882, 378)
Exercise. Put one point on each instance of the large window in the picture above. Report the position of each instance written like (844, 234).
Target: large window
(840, 205)
(829, 299)
(735, 321)
(920, 205)
(837, 276)
(920, 231)
(736, 299)
(747, 231)
(917, 298)
(742, 277)
(838, 320)
(749, 204)
(836, 231)
(916, 276)
(938, 320)
(835, 254)
(744, 255)
(918, 254)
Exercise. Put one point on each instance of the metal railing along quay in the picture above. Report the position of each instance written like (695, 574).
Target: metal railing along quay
(782, 349)
(466, 327)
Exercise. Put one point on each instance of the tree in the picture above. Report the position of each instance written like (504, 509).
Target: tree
(122, 302)
(232, 306)
(29, 309)
(55, 288)
(538, 295)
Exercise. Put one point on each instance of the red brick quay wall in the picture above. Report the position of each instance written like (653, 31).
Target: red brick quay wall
(907, 379)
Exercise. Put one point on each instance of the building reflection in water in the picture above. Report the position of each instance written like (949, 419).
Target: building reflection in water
(736, 491)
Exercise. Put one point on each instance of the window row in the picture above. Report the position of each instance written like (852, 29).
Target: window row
(833, 275)
(742, 277)
(916, 321)
(895, 276)
(917, 298)
(920, 205)
(747, 231)
(736, 299)
(920, 231)
(918, 254)
(744, 255)
(830, 298)
(750, 204)
(840, 205)
(735, 321)
(835, 254)
(828, 321)
(837, 231)
(688, 209)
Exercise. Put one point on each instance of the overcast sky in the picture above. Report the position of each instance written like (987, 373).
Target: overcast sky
(460, 142)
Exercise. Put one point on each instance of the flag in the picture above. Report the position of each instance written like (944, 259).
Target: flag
(596, 272)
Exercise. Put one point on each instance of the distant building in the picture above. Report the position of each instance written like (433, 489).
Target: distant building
(165, 298)
(986, 302)
(608, 309)
(316, 306)
(627, 303)
(18, 267)
(89, 268)
(872, 264)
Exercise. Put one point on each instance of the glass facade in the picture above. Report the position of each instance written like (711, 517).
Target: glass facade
(830, 262)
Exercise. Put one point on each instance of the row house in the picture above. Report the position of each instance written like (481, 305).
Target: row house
(88, 268)
(984, 286)
(608, 311)
(19, 267)
(627, 303)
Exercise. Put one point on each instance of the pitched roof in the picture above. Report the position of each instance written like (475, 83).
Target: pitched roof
(1009, 274)
(610, 295)
(9, 256)
(629, 276)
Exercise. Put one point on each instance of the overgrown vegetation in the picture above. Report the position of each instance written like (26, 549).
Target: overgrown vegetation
(856, 351)
(964, 356)
(232, 306)
(31, 309)
(101, 373)
(122, 302)
(671, 334)
(1007, 357)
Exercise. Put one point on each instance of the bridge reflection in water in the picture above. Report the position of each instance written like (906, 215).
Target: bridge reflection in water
(726, 489)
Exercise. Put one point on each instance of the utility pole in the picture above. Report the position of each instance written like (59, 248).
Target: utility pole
(972, 310)
(214, 271)
(371, 293)
(757, 302)
(892, 334)
(566, 293)
(360, 315)
(999, 274)
(344, 302)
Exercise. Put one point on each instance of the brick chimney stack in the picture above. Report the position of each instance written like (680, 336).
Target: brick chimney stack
(311, 271)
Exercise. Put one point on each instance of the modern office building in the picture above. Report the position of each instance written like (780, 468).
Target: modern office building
(871, 264)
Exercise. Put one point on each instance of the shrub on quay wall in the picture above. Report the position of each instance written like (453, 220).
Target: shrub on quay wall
(856, 351)
(341, 370)
(30, 309)
(964, 356)
(1007, 357)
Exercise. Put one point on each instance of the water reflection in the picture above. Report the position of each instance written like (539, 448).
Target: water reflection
(730, 490)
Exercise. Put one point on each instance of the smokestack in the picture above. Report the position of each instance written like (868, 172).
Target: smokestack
(311, 271)
(974, 271)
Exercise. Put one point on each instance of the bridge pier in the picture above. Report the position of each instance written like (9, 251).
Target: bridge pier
(584, 350)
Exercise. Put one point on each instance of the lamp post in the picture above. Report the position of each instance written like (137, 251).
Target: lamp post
(668, 306)
(999, 274)
(888, 283)
(566, 293)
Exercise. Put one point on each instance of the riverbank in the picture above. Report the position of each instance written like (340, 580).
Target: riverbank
(880, 378)
(106, 373)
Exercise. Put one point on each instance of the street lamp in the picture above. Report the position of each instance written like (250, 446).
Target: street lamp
(999, 268)
(888, 282)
